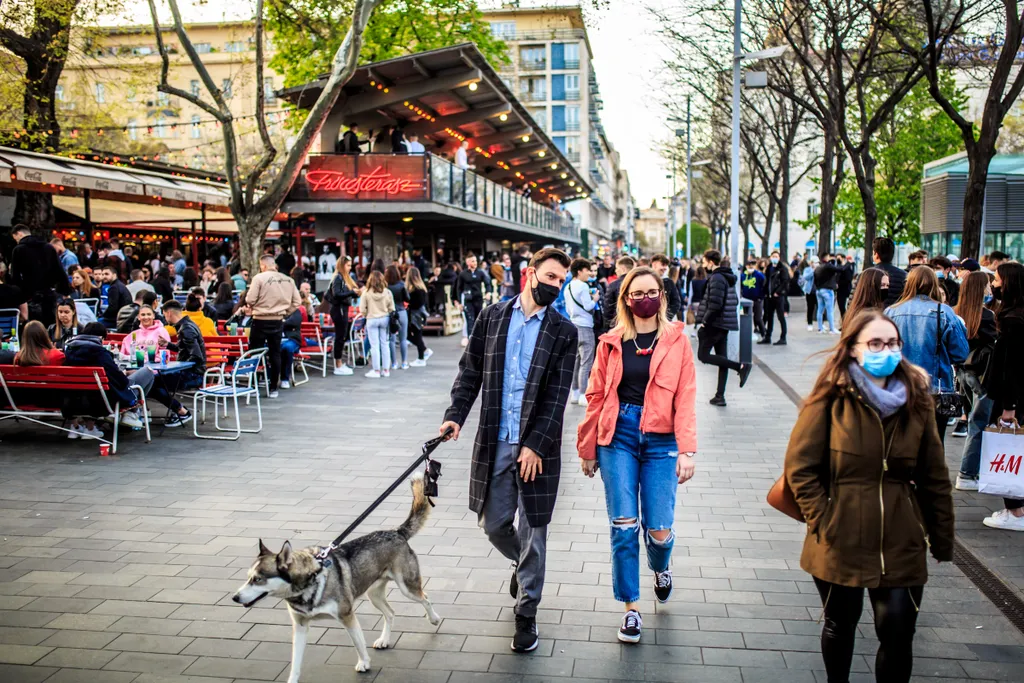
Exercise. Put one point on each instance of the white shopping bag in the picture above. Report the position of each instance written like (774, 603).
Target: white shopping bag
(1002, 450)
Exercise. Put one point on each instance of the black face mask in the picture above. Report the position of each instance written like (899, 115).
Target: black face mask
(545, 295)
(997, 293)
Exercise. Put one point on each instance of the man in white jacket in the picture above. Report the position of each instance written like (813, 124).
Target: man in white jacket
(580, 302)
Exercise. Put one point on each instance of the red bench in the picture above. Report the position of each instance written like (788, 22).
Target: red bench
(37, 394)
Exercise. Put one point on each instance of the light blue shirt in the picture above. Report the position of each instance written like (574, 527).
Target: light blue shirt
(519, 345)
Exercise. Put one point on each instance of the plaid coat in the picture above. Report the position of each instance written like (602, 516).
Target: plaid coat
(547, 388)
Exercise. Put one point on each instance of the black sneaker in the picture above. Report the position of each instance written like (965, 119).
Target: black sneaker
(745, 373)
(525, 639)
(513, 586)
(960, 429)
(781, 342)
(663, 585)
(718, 401)
(176, 420)
(632, 624)
(765, 340)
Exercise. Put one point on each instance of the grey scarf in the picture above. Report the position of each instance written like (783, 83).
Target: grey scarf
(887, 401)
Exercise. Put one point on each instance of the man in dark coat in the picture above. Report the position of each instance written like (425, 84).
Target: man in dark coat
(610, 300)
(717, 317)
(469, 293)
(660, 264)
(36, 271)
(777, 289)
(521, 356)
(883, 249)
(845, 284)
(118, 296)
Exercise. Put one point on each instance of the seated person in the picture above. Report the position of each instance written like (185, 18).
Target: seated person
(87, 351)
(189, 345)
(290, 344)
(67, 326)
(149, 333)
(194, 311)
(128, 316)
(224, 303)
(36, 347)
(207, 308)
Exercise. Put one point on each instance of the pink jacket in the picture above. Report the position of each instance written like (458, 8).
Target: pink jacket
(143, 337)
(669, 401)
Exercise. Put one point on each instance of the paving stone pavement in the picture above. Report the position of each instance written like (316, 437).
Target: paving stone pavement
(120, 569)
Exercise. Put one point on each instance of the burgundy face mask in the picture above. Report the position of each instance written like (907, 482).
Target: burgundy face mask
(646, 307)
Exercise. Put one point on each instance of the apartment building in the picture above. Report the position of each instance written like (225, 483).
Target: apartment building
(551, 72)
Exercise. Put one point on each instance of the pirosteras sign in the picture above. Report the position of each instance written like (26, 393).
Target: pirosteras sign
(367, 177)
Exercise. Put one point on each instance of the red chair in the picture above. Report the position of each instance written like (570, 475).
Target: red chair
(319, 348)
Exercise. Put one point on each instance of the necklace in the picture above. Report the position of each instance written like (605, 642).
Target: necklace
(645, 352)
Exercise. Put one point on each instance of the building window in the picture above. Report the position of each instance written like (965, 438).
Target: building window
(572, 55)
(813, 208)
(142, 50)
(203, 48)
(572, 118)
(58, 93)
(503, 30)
(225, 88)
(269, 96)
(572, 145)
(131, 93)
(532, 57)
(133, 130)
(193, 87)
(101, 93)
(572, 86)
(162, 99)
(161, 130)
(541, 117)
(533, 89)
(235, 46)
(195, 132)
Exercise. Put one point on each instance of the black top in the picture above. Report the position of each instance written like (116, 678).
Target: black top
(636, 369)
(417, 299)
(400, 293)
(11, 296)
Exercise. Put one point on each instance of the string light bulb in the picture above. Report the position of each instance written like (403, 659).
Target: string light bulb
(473, 86)
(565, 175)
(526, 138)
(541, 153)
(503, 117)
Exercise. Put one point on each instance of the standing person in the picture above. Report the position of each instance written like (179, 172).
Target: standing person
(284, 260)
(867, 468)
(66, 326)
(414, 146)
(947, 279)
(872, 288)
(606, 270)
(1004, 382)
(399, 342)
(118, 296)
(844, 285)
(934, 338)
(640, 431)
(341, 292)
(698, 284)
(717, 317)
(609, 305)
(382, 143)
(807, 287)
(980, 322)
(674, 300)
(37, 272)
(398, 143)
(66, 256)
(883, 250)
(776, 295)
(461, 156)
(271, 296)
(507, 290)
(521, 357)
(418, 296)
(580, 302)
(752, 288)
(350, 142)
(826, 281)
(469, 293)
(519, 262)
(377, 305)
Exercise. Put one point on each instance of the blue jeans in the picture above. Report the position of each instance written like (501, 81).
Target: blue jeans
(970, 463)
(380, 349)
(400, 341)
(639, 475)
(826, 306)
(289, 347)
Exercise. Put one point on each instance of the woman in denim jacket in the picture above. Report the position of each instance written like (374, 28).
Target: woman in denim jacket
(934, 337)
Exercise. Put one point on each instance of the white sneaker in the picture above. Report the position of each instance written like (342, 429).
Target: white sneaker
(582, 400)
(273, 394)
(373, 374)
(343, 370)
(574, 396)
(76, 432)
(465, 341)
(427, 354)
(1004, 519)
(285, 384)
(94, 433)
(386, 373)
(419, 363)
(405, 366)
(129, 419)
(964, 484)
(835, 332)
(394, 366)
(810, 328)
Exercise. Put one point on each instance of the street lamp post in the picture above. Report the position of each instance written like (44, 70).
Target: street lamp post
(689, 180)
(734, 185)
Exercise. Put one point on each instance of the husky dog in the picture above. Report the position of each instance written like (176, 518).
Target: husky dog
(313, 586)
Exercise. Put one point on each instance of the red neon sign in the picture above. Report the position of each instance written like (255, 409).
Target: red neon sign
(378, 180)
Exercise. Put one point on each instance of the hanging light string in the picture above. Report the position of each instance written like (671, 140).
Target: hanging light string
(272, 117)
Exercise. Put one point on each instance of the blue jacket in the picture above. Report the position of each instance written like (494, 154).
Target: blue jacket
(918, 324)
(88, 351)
(752, 285)
(807, 280)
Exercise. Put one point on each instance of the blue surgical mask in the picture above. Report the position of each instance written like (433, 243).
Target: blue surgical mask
(775, 261)
(939, 274)
(882, 363)
(988, 299)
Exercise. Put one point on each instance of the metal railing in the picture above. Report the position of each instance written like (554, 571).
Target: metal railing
(571, 64)
(542, 34)
(533, 64)
(574, 157)
(572, 126)
(533, 96)
(572, 95)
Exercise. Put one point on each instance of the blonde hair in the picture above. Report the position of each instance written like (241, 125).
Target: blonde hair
(339, 271)
(413, 280)
(625, 326)
(376, 282)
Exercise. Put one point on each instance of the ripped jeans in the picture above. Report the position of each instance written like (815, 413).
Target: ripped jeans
(639, 475)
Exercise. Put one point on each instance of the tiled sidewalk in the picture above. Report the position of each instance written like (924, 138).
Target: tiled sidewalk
(120, 570)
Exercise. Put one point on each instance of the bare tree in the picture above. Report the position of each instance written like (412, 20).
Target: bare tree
(947, 42)
(253, 201)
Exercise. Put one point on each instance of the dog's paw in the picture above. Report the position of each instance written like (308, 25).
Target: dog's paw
(434, 618)
(381, 643)
(362, 666)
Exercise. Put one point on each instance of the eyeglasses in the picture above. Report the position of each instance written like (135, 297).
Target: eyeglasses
(877, 345)
(650, 294)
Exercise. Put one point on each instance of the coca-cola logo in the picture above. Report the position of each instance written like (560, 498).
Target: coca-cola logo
(376, 181)
(34, 176)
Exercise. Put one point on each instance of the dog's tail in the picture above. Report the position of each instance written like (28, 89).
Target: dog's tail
(420, 509)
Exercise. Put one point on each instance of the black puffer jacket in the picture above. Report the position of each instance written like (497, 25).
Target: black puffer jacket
(718, 307)
(190, 347)
(778, 280)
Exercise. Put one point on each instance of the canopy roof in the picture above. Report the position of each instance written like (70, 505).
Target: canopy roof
(443, 95)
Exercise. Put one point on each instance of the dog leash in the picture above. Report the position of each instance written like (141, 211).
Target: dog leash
(430, 477)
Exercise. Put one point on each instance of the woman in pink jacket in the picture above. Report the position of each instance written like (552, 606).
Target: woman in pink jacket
(640, 431)
(150, 333)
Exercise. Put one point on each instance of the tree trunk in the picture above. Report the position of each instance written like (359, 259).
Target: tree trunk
(979, 156)
(831, 179)
(251, 234)
(787, 190)
(768, 220)
(34, 209)
(864, 170)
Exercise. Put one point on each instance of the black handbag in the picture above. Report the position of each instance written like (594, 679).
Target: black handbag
(947, 403)
(394, 325)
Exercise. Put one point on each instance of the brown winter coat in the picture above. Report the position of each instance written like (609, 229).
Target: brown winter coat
(875, 496)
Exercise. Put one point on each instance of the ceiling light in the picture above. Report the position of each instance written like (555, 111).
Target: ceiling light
(554, 166)
(565, 175)
(473, 86)
(572, 183)
(526, 138)
(407, 219)
(503, 117)
(541, 153)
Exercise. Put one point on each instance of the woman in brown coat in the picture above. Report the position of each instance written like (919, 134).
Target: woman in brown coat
(868, 471)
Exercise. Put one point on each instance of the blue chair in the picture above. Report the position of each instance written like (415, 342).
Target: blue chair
(181, 297)
(243, 382)
(9, 324)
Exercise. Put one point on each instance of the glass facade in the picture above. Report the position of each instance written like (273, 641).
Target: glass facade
(949, 243)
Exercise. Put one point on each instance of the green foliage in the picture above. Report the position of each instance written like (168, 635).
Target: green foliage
(307, 33)
(700, 238)
(917, 133)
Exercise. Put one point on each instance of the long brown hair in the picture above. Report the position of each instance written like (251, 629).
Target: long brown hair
(345, 273)
(972, 301)
(625, 326)
(921, 281)
(835, 374)
(1011, 286)
(392, 276)
(413, 280)
(376, 282)
(35, 342)
(868, 295)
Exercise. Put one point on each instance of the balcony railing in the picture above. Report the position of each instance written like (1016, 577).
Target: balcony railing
(573, 157)
(542, 34)
(440, 181)
(533, 64)
(533, 96)
(572, 64)
(572, 126)
(572, 95)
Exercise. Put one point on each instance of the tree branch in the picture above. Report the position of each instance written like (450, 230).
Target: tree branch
(269, 151)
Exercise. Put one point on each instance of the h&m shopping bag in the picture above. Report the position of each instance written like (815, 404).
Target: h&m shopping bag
(1002, 450)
